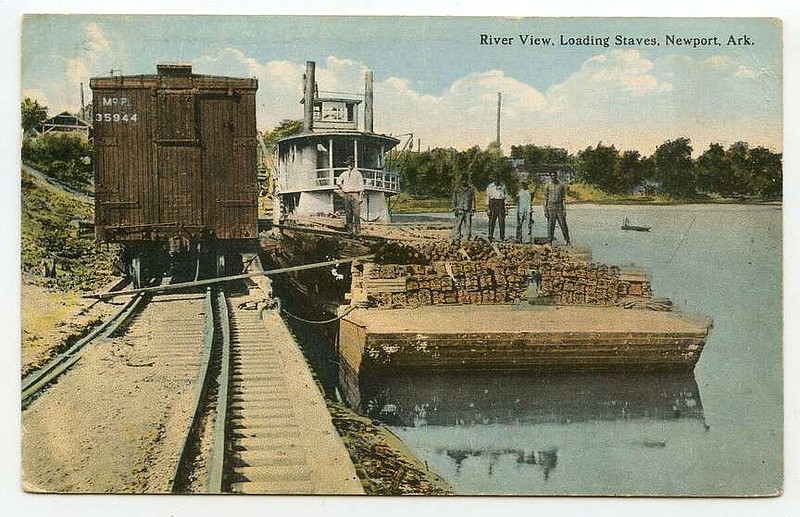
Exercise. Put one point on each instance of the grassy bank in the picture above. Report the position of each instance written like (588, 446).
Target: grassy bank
(405, 203)
(48, 235)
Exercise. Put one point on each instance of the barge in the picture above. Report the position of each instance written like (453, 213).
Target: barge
(422, 303)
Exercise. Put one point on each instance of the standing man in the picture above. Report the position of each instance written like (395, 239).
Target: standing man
(351, 186)
(555, 209)
(496, 206)
(463, 208)
(524, 215)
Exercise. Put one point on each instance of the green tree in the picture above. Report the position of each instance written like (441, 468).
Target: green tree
(675, 168)
(33, 114)
(437, 172)
(285, 128)
(535, 155)
(628, 172)
(713, 171)
(434, 173)
(766, 173)
(63, 156)
(596, 167)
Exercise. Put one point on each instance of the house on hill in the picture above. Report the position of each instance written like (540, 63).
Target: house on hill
(65, 122)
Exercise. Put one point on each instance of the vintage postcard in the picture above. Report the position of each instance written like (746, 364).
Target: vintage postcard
(401, 255)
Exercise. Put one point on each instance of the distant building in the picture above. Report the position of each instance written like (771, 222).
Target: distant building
(647, 187)
(541, 172)
(549, 158)
(65, 122)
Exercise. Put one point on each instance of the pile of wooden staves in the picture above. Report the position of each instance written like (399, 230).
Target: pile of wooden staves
(450, 282)
(438, 272)
(571, 283)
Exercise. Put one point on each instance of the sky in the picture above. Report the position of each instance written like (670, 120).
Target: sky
(435, 79)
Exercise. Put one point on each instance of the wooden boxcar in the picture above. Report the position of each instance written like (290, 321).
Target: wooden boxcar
(175, 165)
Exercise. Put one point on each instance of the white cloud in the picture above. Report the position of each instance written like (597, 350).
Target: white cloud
(37, 95)
(618, 97)
(618, 77)
(94, 57)
(76, 70)
(97, 42)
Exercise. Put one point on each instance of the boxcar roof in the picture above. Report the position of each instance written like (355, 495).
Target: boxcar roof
(167, 82)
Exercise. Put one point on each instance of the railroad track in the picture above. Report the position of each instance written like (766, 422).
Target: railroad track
(252, 449)
(255, 442)
(35, 382)
(229, 418)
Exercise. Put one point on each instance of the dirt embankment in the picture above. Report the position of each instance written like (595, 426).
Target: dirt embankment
(59, 262)
(383, 463)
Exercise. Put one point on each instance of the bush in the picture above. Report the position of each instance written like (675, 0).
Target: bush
(64, 157)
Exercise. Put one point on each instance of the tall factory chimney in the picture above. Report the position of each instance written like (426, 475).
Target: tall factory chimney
(308, 97)
(368, 125)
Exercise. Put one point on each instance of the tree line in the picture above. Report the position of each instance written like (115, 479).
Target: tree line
(740, 171)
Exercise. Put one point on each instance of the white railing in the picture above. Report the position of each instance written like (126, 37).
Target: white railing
(373, 178)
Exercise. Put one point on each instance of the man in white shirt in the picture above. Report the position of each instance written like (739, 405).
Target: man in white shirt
(496, 206)
(351, 188)
(524, 215)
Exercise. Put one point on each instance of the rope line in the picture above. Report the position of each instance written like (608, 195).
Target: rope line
(683, 238)
(320, 322)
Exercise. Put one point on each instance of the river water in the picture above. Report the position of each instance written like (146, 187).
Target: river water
(717, 431)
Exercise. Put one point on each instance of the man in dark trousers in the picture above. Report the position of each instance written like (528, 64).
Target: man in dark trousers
(496, 206)
(463, 208)
(555, 209)
(351, 188)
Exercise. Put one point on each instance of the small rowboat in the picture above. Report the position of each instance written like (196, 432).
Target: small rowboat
(627, 226)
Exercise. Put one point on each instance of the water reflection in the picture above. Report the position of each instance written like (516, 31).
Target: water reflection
(508, 426)
(469, 398)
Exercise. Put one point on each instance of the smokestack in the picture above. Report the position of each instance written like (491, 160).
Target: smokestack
(368, 126)
(499, 101)
(308, 97)
(83, 105)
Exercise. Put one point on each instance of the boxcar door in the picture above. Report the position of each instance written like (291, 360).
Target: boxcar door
(178, 161)
(229, 169)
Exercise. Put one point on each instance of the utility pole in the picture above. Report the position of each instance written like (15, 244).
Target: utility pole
(499, 102)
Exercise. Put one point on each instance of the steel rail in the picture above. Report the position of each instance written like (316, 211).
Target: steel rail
(219, 438)
(202, 386)
(42, 377)
(211, 281)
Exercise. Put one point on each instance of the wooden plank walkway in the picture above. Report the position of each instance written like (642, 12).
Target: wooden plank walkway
(284, 441)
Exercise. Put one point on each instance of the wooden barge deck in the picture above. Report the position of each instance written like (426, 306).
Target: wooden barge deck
(518, 337)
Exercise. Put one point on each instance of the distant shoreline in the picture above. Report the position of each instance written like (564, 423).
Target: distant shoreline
(671, 203)
(408, 205)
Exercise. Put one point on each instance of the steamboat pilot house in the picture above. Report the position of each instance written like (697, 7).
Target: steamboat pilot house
(309, 163)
